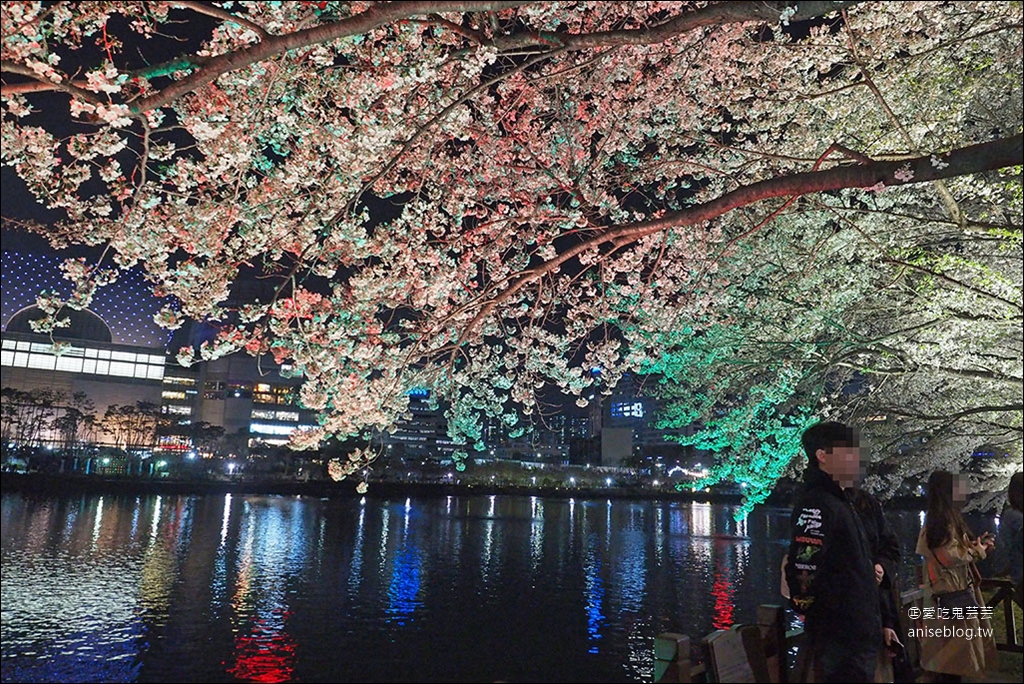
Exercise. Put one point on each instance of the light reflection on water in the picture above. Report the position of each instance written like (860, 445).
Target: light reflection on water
(269, 589)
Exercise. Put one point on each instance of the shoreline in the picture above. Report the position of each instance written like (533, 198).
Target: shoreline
(40, 483)
(61, 484)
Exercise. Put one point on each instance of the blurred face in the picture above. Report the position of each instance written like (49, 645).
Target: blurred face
(959, 489)
(843, 464)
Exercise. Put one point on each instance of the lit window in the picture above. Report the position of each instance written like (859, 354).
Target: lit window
(122, 368)
(69, 364)
(8, 344)
(172, 395)
(627, 409)
(42, 361)
(266, 429)
(287, 415)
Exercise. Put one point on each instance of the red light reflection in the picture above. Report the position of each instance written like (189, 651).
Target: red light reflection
(722, 589)
(267, 655)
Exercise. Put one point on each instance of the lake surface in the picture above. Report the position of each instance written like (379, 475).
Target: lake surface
(464, 588)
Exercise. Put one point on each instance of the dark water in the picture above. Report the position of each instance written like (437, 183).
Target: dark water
(464, 589)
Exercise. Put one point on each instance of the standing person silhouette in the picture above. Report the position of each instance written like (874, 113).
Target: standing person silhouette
(831, 570)
(1010, 542)
(950, 551)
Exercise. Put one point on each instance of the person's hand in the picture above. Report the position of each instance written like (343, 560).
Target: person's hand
(987, 541)
(890, 636)
(879, 573)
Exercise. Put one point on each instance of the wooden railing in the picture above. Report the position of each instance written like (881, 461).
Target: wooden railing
(765, 652)
(1003, 588)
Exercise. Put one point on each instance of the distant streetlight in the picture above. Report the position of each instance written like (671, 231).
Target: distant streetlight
(231, 468)
(607, 482)
(572, 481)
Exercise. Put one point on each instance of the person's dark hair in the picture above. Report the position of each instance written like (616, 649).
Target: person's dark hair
(1015, 493)
(827, 436)
(944, 521)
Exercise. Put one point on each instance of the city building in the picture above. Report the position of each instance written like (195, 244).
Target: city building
(112, 353)
(116, 355)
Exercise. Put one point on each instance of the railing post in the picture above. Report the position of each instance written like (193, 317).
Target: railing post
(1003, 594)
(672, 658)
(1011, 620)
(772, 621)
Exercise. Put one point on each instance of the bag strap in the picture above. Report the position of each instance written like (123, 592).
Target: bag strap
(965, 574)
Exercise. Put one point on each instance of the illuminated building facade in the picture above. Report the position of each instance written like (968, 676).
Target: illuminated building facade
(116, 354)
(113, 352)
(627, 428)
(422, 434)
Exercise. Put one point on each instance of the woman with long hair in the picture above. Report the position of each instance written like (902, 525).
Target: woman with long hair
(955, 647)
(1010, 545)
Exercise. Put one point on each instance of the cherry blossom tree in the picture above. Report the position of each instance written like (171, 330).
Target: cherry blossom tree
(489, 198)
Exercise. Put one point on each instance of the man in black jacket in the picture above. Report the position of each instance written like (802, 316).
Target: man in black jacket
(894, 665)
(831, 570)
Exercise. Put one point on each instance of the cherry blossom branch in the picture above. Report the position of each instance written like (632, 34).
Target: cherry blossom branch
(947, 197)
(715, 14)
(430, 124)
(876, 175)
(379, 15)
(438, 20)
(916, 267)
(36, 86)
(1007, 408)
(218, 13)
(208, 69)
